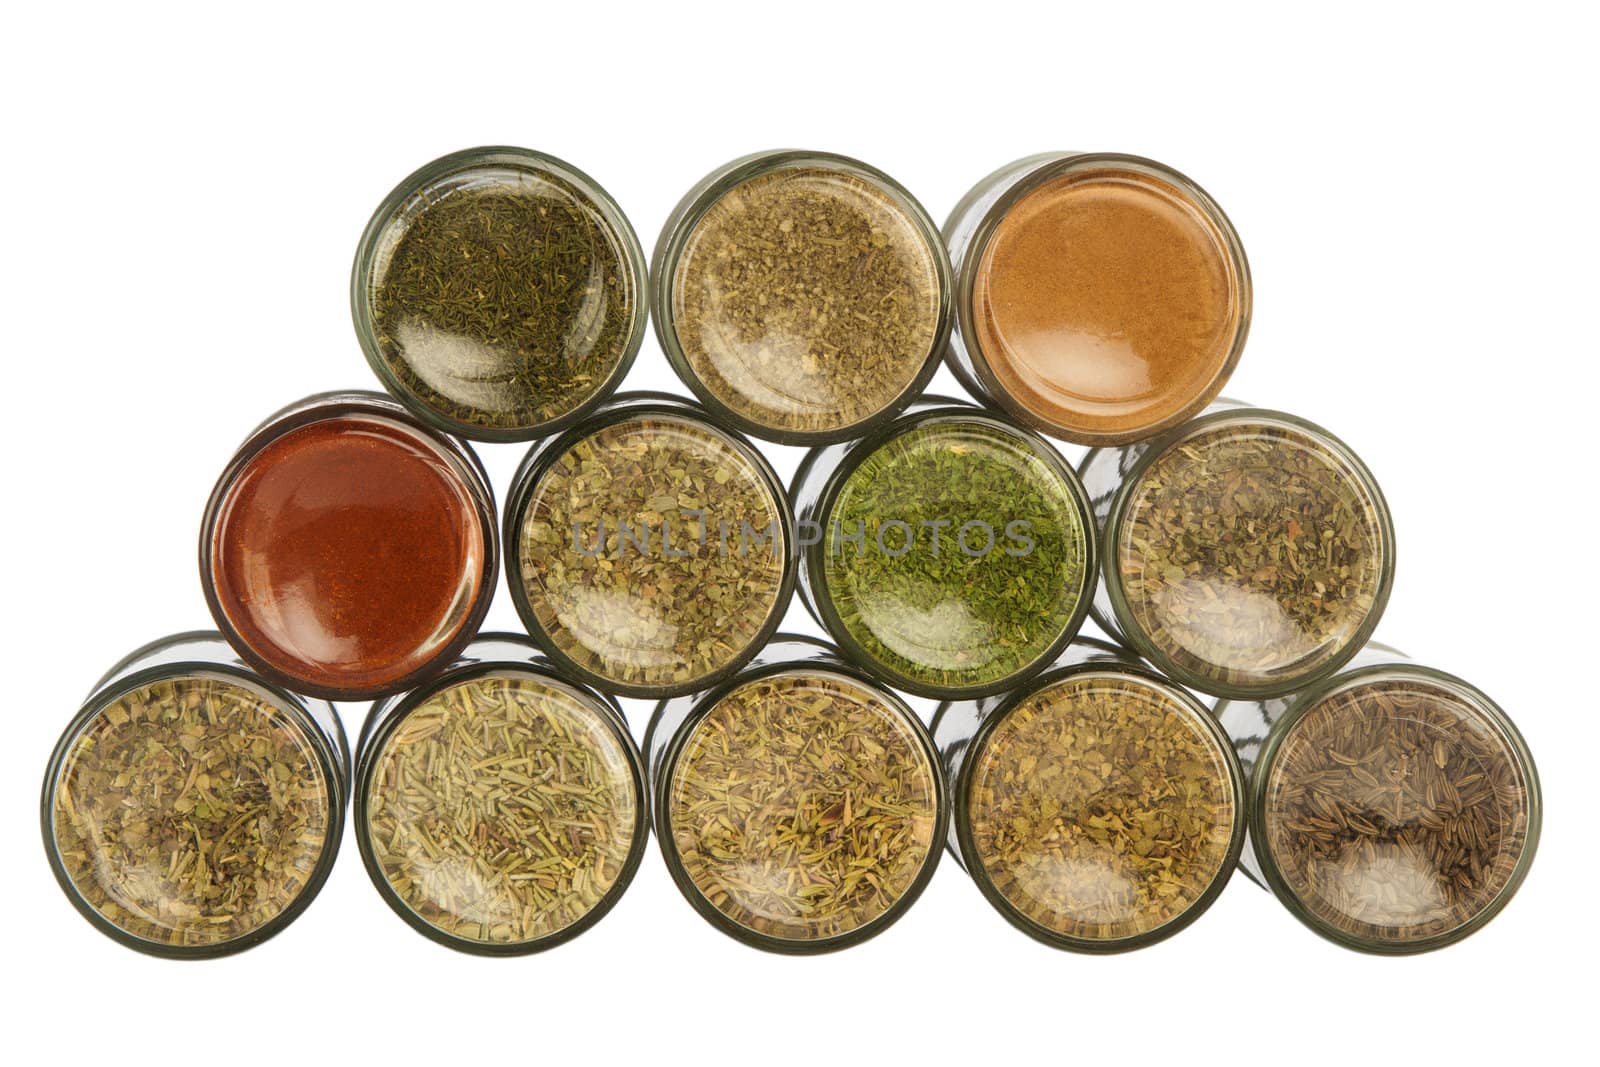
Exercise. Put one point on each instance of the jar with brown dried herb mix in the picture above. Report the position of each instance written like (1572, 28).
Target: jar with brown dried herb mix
(1395, 808)
(799, 805)
(1100, 808)
(950, 553)
(192, 809)
(1247, 553)
(1101, 298)
(501, 808)
(649, 550)
(803, 297)
(499, 293)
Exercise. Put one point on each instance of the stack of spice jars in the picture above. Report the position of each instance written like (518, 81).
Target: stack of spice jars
(194, 805)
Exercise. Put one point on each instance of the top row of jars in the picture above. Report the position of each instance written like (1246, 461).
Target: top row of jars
(803, 297)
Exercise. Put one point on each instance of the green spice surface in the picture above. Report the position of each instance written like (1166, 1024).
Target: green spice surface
(502, 809)
(807, 298)
(652, 551)
(1396, 810)
(501, 298)
(1251, 553)
(955, 553)
(802, 806)
(191, 811)
(1100, 808)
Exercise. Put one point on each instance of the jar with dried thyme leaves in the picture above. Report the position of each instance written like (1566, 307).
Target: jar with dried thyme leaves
(804, 297)
(499, 293)
(649, 551)
(192, 809)
(501, 808)
(1395, 808)
(799, 805)
(1246, 554)
(950, 553)
(1099, 808)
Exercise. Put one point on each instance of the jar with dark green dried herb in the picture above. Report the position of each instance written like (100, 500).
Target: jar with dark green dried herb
(1395, 808)
(190, 808)
(803, 297)
(501, 808)
(649, 551)
(499, 293)
(951, 553)
(1099, 808)
(1246, 554)
(799, 805)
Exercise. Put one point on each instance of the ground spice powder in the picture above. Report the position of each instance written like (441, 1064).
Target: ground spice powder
(1106, 304)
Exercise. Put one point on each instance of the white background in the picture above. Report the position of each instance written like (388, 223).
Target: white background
(183, 196)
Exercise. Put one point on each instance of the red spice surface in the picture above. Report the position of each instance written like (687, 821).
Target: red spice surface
(348, 553)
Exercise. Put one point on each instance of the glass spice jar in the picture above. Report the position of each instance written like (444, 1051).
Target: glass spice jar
(500, 808)
(1100, 808)
(950, 552)
(803, 297)
(192, 809)
(799, 805)
(347, 550)
(499, 293)
(1100, 298)
(1395, 808)
(650, 551)
(1246, 553)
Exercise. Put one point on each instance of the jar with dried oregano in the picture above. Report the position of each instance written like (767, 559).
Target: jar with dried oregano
(501, 808)
(1246, 554)
(192, 809)
(804, 297)
(951, 553)
(799, 805)
(1395, 808)
(1101, 298)
(1100, 808)
(499, 293)
(649, 550)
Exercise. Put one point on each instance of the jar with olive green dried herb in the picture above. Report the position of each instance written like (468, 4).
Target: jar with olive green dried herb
(1099, 808)
(1395, 808)
(799, 805)
(501, 808)
(803, 297)
(1245, 554)
(192, 809)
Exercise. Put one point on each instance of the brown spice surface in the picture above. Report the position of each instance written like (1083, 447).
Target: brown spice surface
(806, 299)
(803, 806)
(1105, 303)
(191, 812)
(1395, 810)
(1100, 809)
(502, 809)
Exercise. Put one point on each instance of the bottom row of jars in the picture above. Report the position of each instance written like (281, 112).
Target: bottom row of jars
(191, 809)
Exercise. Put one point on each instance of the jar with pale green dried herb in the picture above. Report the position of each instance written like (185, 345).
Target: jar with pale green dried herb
(501, 808)
(649, 550)
(799, 805)
(191, 809)
(1246, 554)
(1100, 808)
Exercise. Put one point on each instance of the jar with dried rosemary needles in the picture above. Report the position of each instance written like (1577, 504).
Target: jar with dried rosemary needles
(1099, 808)
(500, 808)
(803, 297)
(951, 553)
(1246, 554)
(192, 809)
(1395, 808)
(499, 293)
(799, 805)
(649, 551)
